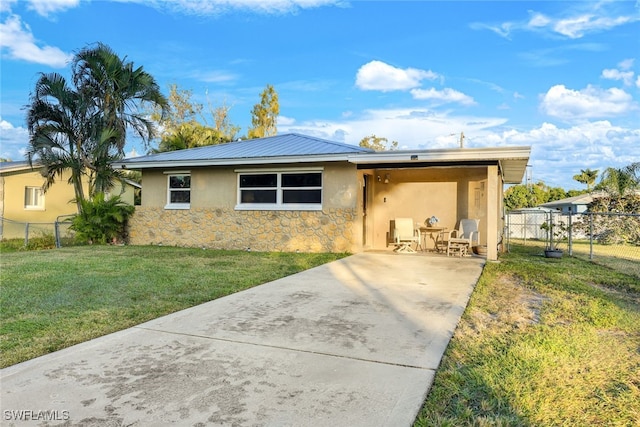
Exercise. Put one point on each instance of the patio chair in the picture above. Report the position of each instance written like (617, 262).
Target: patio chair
(464, 238)
(405, 234)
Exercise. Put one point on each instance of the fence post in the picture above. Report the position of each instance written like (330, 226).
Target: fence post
(26, 234)
(570, 233)
(590, 236)
(56, 231)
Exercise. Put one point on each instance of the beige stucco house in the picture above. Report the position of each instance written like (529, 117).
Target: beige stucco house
(24, 201)
(299, 193)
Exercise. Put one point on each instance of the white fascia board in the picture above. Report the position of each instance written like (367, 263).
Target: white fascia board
(439, 155)
(232, 162)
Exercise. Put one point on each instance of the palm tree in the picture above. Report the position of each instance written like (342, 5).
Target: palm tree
(119, 91)
(620, 182)
(58, 127)
(84, 128)
(587, 176)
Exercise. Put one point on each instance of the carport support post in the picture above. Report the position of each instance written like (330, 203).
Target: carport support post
(494, 205)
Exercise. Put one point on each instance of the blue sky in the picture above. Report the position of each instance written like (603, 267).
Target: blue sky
(560, 76)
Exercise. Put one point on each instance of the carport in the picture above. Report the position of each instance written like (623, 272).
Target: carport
(450, 184)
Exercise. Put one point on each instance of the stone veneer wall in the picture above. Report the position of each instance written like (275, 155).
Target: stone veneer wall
(329, 230)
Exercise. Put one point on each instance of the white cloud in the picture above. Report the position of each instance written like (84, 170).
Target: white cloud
(589, 103)
(580, 19)
(47, 7)
(614, 74)
(578, 26)
(377, 75)
(214, 76)
(5, 5)
(557, 153)
(18, 40)
(626, 64)
(638, 82)
(285, 121)
(443, 96)
(412, 128)
(538, 20)
(221, 7)
(13, 140)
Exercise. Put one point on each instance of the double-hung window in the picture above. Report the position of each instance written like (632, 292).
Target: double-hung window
(178, 190)
(288, 190)
(33, 198)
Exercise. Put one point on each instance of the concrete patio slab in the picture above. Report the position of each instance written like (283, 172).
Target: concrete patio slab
(355, 342)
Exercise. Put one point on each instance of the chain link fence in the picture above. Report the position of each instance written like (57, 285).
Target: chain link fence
(611, 239)
(38, 234)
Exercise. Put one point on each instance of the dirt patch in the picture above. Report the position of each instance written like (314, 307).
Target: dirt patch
(628, 296)
(514, 306)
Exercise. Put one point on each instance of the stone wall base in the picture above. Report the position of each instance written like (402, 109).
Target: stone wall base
(287, 231)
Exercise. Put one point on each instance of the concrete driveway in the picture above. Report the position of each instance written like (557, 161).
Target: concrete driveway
(352, 343)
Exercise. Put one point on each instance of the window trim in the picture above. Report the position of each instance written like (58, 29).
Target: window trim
(170, 205)
(38, 207)
(279, 205)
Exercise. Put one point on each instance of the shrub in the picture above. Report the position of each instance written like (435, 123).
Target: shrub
(102, 220)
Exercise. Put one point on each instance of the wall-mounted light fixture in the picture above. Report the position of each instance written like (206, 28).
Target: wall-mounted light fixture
(379, 179)
(387, 177)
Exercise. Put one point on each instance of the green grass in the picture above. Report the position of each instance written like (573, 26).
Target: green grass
(624, 258)
(52, 299)
(542, 342)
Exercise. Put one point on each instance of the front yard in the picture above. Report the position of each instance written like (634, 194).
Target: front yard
(53, 299)
(542, 342)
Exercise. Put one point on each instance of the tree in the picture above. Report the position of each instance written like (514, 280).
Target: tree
(378, 143)
(82, 127)
(182, 127)
(221, 121)
(264, 116)
(618, 183)
(528, 196)
(587, 177)
(59, 123)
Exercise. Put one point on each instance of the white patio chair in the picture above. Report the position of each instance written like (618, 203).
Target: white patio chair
(405, 234)
(464, 238)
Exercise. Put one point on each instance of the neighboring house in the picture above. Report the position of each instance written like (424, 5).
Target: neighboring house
(299, 193)
(23, 200)
(573, 205)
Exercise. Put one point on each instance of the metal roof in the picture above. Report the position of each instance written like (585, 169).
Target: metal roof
(274, 146)
(296, 148)
(6, 167)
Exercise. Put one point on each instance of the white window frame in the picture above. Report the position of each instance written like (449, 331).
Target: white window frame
(29, 192)
(280, 205)
(170, 205)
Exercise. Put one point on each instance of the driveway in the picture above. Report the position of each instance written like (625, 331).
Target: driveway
(355, 342)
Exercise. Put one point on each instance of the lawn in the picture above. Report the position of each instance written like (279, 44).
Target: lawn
(52, 299)
(542, 342)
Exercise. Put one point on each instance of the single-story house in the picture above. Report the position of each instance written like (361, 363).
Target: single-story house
(573, 205)
(294, 192)
(23, 199)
